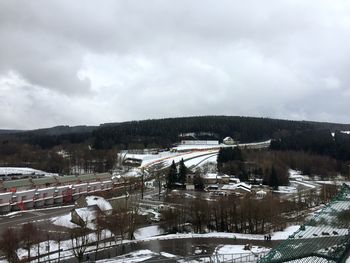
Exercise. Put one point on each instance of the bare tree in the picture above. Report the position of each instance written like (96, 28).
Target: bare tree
(58, 236)
(9, 243)
(133, 220)
(29, 236)
(99, 226)
(157, 172)
(80, 239)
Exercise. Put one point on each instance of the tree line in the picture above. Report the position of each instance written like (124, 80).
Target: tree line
(240, 214)
(317, 142)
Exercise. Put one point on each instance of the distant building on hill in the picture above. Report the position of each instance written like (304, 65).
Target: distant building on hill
(199, 142)
(229, 141)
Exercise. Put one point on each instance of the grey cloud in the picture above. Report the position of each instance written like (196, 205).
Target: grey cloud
(91, 62)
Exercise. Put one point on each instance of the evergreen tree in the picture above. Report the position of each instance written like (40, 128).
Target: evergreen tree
(237, 154)
(172, 176)
(273, 182)
(182, 172)
(198, 181)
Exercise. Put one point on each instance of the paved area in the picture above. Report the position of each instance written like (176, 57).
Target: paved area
(21, 217)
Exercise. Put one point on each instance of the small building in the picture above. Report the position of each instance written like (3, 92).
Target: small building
(149, 184)
(234, 180)
(239, 189)
(212, 187)
(91, 200)
(85, 216)
(189, 178)
(260, 194)
(190, 187)
(88, 207)
(225, 179)
(229, 141)
(199, 142)
(211, 178)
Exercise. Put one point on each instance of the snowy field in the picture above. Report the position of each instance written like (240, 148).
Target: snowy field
(166, 158)
(153, 233)
(23, 171)
(194, 155)
(201, 160)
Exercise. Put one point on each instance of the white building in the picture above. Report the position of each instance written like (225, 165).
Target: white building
(229, 141)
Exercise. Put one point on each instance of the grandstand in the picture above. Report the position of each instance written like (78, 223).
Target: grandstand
(324, 237)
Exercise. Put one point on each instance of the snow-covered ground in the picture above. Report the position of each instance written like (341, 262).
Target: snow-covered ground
(65, 245)
(166, 158)
(286, 190)
(229, 253)
(193, 155)
(85, 213)
(64, 221)
(136, 256)
(148, 231)
(222, 253)
(306, 184)
(152, 233)
(178, 156)
(296, 175)
(201, 160)
(23, 171)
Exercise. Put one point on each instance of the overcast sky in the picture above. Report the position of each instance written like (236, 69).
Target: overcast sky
(91, 62)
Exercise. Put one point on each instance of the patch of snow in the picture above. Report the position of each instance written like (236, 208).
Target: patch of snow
(133, 173)
(200, 160)
(168, 255)
(23, 171)
(286, 190)
(310, 185)
(280, 235)
(231, 252)
(296, 175)
(241, 185)
(64, 221)
(137, 256)
(102, 203)
(148, 231)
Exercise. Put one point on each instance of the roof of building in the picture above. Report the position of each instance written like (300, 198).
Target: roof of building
(241, 185)
(44, 180)
(17, 183)
(102, 203)
(87, 215)
(67, 179)
(323, 238)
(87, 178)
(211, 176)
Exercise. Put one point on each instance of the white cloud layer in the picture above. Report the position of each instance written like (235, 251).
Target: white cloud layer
(89, 62)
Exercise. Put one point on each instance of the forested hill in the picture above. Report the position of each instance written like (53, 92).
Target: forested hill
(165, 132)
